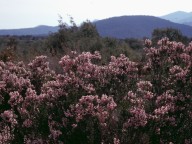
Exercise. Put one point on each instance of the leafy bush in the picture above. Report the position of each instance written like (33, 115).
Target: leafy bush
(118, 102)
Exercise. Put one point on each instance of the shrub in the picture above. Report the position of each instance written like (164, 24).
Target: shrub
(119, 102)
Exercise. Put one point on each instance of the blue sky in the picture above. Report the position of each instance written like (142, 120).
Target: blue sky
(30, 13)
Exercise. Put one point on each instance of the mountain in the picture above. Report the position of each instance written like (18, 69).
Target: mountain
(136, 26)
(188, 23)
(39, 30)
(179, 17)
(118, 27)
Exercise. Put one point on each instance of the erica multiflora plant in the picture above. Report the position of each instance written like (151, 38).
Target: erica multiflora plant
(121, 101)
(169, 71)
(84, 77)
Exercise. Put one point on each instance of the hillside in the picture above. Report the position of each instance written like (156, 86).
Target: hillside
(179, 17)
(136, 26)
(39, 30)
(117, 27)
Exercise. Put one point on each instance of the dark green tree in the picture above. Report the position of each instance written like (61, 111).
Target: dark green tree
(12, 43)
(59, 41)
(87, 29)
(171, 33)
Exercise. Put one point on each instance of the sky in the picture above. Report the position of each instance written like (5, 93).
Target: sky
(30, 13)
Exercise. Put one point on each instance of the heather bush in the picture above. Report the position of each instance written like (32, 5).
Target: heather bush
(169, 70)
(121, 101)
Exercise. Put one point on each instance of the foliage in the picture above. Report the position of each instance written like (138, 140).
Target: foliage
(135, 44)
(85, 38)
(8, 52)
(171, 33)
(72, 37)
(118, 102)
(21, 48)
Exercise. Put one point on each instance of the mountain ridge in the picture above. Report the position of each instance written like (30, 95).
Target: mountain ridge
(179, 17)
(37, 30)
(135, 26)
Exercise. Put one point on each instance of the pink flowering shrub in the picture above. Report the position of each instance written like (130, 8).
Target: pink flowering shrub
(169, 71)
(119, 102)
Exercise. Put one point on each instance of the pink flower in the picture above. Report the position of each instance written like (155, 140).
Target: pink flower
(74, 125)
(116, 141)
(55, 134)
(15, 98)
(148, 42)
(27, 123)
(9, 117)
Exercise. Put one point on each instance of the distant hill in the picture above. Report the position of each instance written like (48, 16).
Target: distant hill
(136, 26)
(179, 17)
(39, 30)
(188, 23)
(117, 27)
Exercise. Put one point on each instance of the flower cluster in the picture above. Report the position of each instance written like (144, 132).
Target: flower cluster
(93, 106)
(90, 102)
